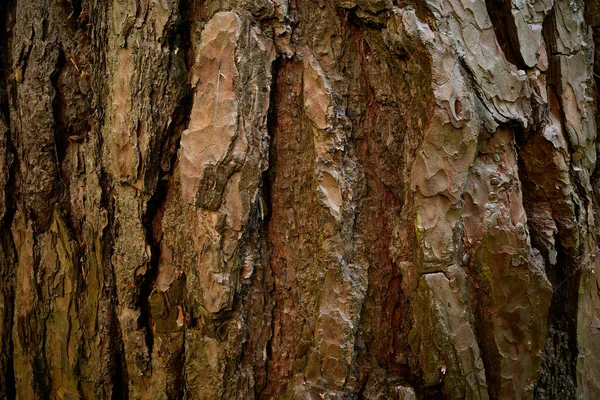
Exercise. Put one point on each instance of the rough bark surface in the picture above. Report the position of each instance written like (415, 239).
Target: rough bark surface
(293, 199)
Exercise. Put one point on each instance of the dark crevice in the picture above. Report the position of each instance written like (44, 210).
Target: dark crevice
(10, 383)
(65, 129)
(7, 259)
(559, 356)
(558, 364)
(267, 188)
(24, 58)
(434, 392)
(75, 9)
(178, 36)
(60, 125)
(148, 279)
(520, 136)
(151, 219)
(558, 377)
(7, 251)
(360, 393)
(119, 378)
(251, 242)
(506, 31)
(549, 31)
(120, 386)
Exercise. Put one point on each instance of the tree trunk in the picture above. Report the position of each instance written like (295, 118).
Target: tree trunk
(299, 199)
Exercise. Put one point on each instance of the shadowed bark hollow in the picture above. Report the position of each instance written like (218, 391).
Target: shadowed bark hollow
(299, 199)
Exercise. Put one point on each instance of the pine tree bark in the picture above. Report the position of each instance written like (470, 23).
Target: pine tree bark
(299, 199)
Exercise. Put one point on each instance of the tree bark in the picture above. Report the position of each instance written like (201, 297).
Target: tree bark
(299, 199)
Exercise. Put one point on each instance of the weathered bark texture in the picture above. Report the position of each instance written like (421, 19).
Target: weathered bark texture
(299, 199)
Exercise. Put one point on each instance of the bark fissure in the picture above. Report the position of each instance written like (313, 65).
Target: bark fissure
(506, 31)
(266, 215)
(7, 211)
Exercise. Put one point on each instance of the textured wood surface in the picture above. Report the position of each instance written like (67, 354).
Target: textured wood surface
(299, 199)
